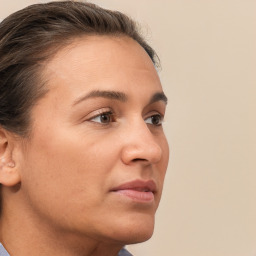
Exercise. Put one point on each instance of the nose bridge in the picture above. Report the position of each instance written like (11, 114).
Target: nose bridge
(141, 144)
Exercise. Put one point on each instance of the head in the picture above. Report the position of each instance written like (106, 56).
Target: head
(82, 147)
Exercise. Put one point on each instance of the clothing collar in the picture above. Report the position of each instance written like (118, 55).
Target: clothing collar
(3, 252)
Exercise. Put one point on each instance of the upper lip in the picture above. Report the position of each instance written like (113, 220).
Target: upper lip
(139, 185)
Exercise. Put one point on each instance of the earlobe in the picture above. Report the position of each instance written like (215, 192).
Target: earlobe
(9, 174)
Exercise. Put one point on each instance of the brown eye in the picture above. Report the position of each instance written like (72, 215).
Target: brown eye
(154, 120)
(103, 118)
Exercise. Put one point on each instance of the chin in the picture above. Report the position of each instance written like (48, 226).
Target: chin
(139, 237)
(135, 230)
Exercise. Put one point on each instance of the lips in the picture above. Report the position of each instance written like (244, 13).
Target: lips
(137, 190)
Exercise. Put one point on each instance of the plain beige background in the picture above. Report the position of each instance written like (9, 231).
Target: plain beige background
(208, 53)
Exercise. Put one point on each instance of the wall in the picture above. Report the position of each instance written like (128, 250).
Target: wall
(208, 58)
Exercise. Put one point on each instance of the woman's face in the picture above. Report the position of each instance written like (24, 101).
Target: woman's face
(95, 163)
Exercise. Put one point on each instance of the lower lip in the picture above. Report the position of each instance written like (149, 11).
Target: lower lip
(138, 196)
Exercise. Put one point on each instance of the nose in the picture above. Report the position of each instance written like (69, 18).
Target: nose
(141, 145)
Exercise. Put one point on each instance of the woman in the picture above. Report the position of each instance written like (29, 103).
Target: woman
(82, 148)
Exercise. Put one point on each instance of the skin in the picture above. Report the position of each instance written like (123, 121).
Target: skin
(57, 193)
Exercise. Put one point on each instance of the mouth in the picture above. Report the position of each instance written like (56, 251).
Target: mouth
(137, 190)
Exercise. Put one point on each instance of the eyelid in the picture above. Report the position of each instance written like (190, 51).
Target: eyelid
(154, 115)
(97, 112)
(99, 115)
(155, 112)
(109, 111)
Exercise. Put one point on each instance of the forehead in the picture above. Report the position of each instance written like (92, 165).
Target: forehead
(101, 63)
(100, 47)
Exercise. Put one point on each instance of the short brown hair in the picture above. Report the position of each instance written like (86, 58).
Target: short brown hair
(32, 35)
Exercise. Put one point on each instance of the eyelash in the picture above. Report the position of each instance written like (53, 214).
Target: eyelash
(112, 118)
(105, 113)
(159, 117)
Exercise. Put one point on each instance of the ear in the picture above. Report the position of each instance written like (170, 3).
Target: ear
(9, 174)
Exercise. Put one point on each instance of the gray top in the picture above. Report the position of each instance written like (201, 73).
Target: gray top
(3, 252)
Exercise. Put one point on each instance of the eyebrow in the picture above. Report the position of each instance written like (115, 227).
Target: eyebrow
(103, 94)
(120, 96)
(159, 96)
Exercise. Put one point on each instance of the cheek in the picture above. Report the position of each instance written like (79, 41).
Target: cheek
(66, 174)
(66, 166)
(163, 164)
(165, 151)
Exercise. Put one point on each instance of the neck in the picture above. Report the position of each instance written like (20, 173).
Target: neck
(24, 243)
